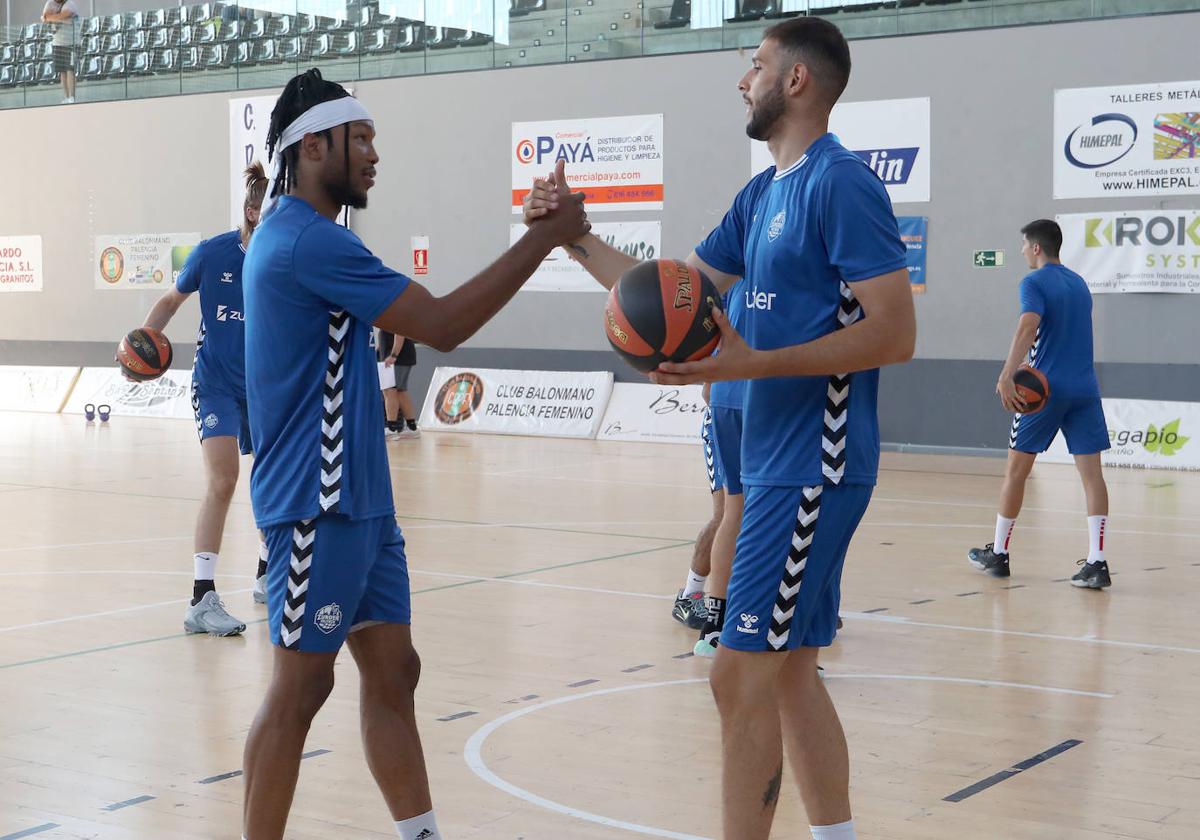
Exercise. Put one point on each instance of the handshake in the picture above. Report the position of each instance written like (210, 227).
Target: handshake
(553, 212)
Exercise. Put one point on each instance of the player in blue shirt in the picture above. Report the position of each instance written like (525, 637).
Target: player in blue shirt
(827, 301)
(321, 487)
(214, 269)
(1055, 335)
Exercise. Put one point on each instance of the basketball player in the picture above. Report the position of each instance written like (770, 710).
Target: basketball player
(214, 269)
(321, 488)
(826, 301)
(1055, 334)
(690, 606)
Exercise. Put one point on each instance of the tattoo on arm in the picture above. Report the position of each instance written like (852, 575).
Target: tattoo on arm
(579, 249)
(771, 794)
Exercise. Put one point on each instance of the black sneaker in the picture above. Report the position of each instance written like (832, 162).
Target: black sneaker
(710, 633)
(987, 560)
(690, 610)
(1092, 576)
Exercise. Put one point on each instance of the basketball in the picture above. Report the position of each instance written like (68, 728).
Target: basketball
(1032, 387)
(661, 311)
(144, 354)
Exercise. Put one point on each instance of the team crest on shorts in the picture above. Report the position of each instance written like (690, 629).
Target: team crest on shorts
(211, 421)
(328, 618)
(747, 625)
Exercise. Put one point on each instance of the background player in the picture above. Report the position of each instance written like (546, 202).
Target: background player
(321, 487)
(690, 604)
(1055, 334)
(214, 269)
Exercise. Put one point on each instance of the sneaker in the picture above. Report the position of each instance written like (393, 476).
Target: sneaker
(389, 434)
(260, 590)
(706, 645)
(1092, 576)
(209, 616)
(408, 433)
(690, 609)
(987, 560)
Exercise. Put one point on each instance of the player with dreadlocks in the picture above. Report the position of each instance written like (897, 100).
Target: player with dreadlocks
(214, 269)
(321, 489)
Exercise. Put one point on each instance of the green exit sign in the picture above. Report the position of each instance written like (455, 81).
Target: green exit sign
(989, 259)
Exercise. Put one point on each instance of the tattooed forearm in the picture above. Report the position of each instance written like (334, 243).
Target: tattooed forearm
(771, 794)
(579, 249)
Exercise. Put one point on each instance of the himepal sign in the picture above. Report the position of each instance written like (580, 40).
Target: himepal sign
(653, 413)
(1145, 433)
(1134, 251)
(1112, 142)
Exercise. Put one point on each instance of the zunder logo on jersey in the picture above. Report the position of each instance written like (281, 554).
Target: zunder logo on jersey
(328, 618)
(224, 313)
(776, 226)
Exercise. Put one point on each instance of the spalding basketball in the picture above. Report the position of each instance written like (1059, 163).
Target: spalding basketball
(1032, 387)
(661, 311)
(144, 354)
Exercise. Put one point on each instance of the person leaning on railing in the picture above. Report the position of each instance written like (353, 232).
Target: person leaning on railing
(64, 15)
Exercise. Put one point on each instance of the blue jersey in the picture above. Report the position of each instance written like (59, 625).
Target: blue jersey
(1063, 349)
(823, 223)
(313, 290)
(214, 269)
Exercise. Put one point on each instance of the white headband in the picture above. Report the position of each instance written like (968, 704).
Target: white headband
(329, 114)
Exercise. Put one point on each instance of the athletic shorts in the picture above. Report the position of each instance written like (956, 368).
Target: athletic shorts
(727, 435)
(395, 376)
(1080, 419)
(220, 414)
(716, 479)
(329, 576)
(786, 584)
(64, 59)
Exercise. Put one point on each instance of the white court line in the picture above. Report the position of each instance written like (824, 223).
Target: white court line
(992, 507)
(111, 572)
(16, 627)
(1080, 529)
(98, 543)
(544, 585)
(473, 751)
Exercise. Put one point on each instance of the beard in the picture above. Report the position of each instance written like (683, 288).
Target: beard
(342, 193)
(766, 113)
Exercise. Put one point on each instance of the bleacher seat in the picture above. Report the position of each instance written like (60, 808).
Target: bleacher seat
(162, 38)
(215, 57)
(114, 43)
(381, 40)
(8, 75)
(679, 16)
(205, 33)
(266, 51)
(46, 73)
(138, 40)
(165, 61)
(140, 63)
(114, 66)
(90, 26)
(189, 58)
(156, 18)
(92, 68)
(112, 23)
(91, 45)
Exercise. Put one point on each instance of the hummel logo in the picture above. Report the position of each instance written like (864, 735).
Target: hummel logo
(227, 277)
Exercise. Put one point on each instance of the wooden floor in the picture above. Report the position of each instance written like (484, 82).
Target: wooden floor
(554, 702)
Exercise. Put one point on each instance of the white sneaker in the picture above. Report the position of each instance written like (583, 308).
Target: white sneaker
(209, 616)
(260, 590)
(408, 433)
(390, 435)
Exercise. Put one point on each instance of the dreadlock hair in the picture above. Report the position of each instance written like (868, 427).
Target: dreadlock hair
(300, 94)
(256, 188)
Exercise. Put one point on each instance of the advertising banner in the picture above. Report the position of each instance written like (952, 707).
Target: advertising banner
(616, 161)
(890, 135)
(914, 230)
(141, 261)
(42, 389)
(1136, 251)
(653, 413)
(559, 273)
(1145, 433)
(168, 396)
(20, 263)
(516, 402)
(1113, 142)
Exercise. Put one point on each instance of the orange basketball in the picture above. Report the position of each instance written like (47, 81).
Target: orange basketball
(144, 354)
(1032, 387)
(661, 311)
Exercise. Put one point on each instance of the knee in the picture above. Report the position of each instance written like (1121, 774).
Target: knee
(300, 700)
(222, 485)
(729, 686)
(397, 682)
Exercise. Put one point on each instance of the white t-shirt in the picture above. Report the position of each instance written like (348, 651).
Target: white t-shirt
(64, 32)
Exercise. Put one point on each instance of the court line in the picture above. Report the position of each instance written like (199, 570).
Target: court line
(137, 800)
(66, 619)
(482, 579)
(473, 750)
(29, 832)
(973, 526)
(1019, 767)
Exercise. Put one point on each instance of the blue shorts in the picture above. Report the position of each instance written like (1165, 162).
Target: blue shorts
(1080, 419)
(220, 414)
(328, 576)
(786, 584)
(716, 479)
(727, 434)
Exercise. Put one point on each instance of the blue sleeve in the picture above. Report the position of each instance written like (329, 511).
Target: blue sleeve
(333, 264)
(725, 248)
(1032, 299)
(861, 236)
(188, 280)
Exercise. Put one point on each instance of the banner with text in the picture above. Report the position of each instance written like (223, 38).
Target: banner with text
(516, 402)
(890, 135)
(20, 263)
(168, 396)
(1145, 433)
(249, 119)
(616, 161)
(1136, 251)
(1112, 142)
(653, 413)
(914, 231)
(35, 388)
(141, 261)
(560, 273)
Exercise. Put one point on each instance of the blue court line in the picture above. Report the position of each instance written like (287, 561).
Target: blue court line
(635, 668)
(29, 832)
(137, 800)
(581, 683)
(457, 716)
(876, 610)
(997, 778)
(233, 774)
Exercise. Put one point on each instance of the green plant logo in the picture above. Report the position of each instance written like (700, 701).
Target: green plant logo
(1167, 441)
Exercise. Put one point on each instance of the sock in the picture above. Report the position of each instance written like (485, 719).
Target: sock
(716, 611)
(1096, 528)
(412, 423)
(393, 425)
(841, 831)
(205, 564)
(1004, 529)
(263, 554)
(423, 827)
(695, 583)
(200, 588)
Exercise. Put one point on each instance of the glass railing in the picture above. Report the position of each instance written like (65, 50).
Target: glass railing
(217, 46)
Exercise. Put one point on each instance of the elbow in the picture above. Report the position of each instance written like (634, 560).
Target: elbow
(904, 344)
(445, 341)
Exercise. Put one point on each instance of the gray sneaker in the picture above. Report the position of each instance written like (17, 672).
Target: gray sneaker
(260, 590)
(209, 616)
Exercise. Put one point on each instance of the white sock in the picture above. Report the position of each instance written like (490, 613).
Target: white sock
(1004, 529)
(263, 552)
(1096, 528)
(206, 565)
(841, 831)
(423, 827)
(695, 583)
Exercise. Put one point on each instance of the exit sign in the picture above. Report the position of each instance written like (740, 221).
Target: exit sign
(989, 259)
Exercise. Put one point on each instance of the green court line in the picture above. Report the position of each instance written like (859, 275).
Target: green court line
(459, 585)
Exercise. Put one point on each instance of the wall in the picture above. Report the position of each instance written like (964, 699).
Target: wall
(160, 165)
